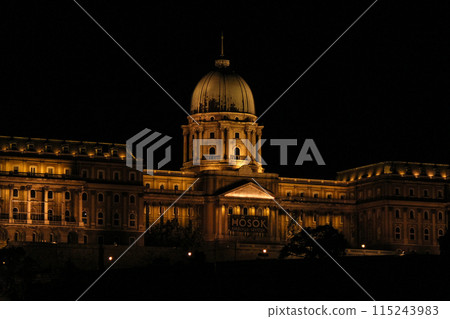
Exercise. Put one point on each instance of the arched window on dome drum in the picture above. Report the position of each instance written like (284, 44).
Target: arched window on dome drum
(212, 151)
(237, 151)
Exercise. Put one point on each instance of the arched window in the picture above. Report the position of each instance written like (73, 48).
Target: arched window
(426, 234)
(426, 215)
(15, 192)
(397, 233)
(440, 232)
(411, 214)
(176, 187)
(15, 213)
(132, 199)
(230, 210)
(116, 198)
(84, 196)
(100, 197)
(33, 193)
(245, 211)
(84, 216)
(50, 194)
(100, 218)
(147, 185)
(67, 216)
(161, 186)
(259, 212)
(132, 220)
(412, 234)
(67, 195)
(237, 151)
(116, 219)
(440, 216)
(212, 151)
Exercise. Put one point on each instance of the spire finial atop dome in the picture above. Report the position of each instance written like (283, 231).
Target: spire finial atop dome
(221, 62)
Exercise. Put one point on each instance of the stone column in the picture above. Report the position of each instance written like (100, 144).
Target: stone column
(225, 141)
(28, 188)
(45, 200)
(80, 208)
(185, 146)
(10, 204)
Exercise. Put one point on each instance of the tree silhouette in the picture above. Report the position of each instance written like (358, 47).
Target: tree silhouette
(301, 245)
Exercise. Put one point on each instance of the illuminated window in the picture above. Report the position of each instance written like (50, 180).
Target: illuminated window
(100, 218)
(412, 234)
(397, 233)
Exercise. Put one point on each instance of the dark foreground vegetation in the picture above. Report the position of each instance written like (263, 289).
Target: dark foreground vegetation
(385, 278)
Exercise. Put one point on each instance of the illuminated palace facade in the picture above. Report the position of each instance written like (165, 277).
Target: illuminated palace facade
(77, 192)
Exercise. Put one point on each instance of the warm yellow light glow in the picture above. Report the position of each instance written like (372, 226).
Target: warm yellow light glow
(189, 254)
(264, 251)
(110, 258)
(363, 246)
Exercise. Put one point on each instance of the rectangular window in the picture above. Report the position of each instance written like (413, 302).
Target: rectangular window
(50, 170)
(425, 193)
(132, 177)
(100, 174)
(67, 171)
(84, 173)
(16, 169)
(50, 194)
(15, 192)
(32, 193)
(116, 176)
(211, 134)
(397, 191)
(33, 170)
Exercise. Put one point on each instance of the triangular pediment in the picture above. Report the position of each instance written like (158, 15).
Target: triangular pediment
(249, 190)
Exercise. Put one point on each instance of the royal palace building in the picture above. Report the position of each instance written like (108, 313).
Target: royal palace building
(78, 192)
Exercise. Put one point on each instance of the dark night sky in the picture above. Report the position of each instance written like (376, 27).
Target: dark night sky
(381, 93)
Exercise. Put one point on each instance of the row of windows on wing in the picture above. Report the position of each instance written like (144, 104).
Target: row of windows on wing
(67, 196)
(425, 192)
(52, 238)
(176, 187)
(65, 149)
(412, 233)
(101, 174)
(315, 195)
(412, 215)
